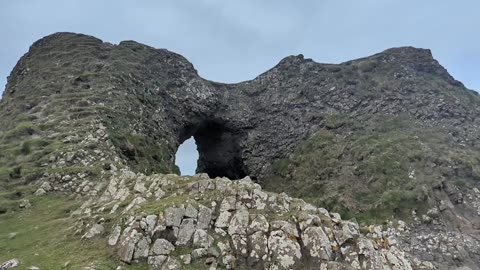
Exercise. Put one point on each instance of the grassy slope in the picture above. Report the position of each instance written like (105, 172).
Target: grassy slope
(44, 237)
(374, 169)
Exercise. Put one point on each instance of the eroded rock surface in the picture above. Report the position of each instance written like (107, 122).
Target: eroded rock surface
(171, 232)
(387, 137)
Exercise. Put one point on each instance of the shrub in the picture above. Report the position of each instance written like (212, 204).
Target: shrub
(16, 173)
(21, 130)
(26, 148)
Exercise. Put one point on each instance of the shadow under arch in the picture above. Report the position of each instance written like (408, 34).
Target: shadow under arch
(219, 153)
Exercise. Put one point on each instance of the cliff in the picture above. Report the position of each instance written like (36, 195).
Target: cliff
(387, 138)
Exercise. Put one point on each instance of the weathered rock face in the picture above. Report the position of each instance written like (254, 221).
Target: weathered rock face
(218, 224)
(151, 100)
(379, 137)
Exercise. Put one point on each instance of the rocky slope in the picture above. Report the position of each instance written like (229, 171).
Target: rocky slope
(386, 138)
(174, 222)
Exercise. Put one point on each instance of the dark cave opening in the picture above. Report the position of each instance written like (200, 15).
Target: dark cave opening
(219, 153)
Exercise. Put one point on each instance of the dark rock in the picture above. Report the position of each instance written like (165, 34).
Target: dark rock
(359, 136)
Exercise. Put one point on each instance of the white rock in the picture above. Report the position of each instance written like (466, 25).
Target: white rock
(10, 264)
(157, 261)
(174, 215)
(201, 239)
(162, 247)
(46, 186)
(223, 219)
(140, 187)
(151, 221)
(284, 252)
(259, 223)
(191, 212)
(204, 218)
(228, 204)
(95, 230)
(317, 244)
(113, 238)
(142, 249)
(239, 222)
(40, 192)
(185, 232)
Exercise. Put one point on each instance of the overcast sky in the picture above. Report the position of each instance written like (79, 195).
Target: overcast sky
(232, 41)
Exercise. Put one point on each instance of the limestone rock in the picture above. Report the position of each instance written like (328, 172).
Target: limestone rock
(127, 107)
(40, 192)
(174, 215)
(258, 224)
(201, 239)
(25, 203)
(285, 253)
(317, 244)
(185, 232)
(10, 264)
(258, 242)
(223, 219)
(95, 230)
(204, 218)
(157, 261)
(171, 264)
(348, 232)
(151, 221)
(142, 249)
(162, 247)
(191, 212)
(114, 235)
(239, 222)
(228, 204)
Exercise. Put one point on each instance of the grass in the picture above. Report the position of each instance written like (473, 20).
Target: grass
(154, 207)
(362, 168)
(146, 154)
(42, 236)
(21, 130)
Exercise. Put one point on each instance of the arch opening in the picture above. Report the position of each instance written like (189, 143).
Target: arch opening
(219, 153)
(186, 157)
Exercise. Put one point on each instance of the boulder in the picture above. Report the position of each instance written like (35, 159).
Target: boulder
(317, 244)
(185, 231)
(174, 215)
(10, 264)
(201, 239)
(95, 230)
(239, 222)
(204, 218)
(114, 235)
(142, 249)
(162, 247)
(284, 252)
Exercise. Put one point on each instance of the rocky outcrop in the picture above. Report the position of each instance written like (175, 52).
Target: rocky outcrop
(9, 264)
(151, 100)
(383, 138)
(219, 223)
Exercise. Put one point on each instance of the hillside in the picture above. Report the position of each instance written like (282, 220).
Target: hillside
(390, 141)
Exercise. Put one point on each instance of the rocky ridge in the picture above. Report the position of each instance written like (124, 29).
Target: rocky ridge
(385, 138)
(171, 221)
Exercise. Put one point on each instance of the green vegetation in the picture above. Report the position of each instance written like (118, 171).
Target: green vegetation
(373, 169)
(21, 130)
(146, 154)
(42, 236)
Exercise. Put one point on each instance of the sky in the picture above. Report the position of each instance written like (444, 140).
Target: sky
(232, 41)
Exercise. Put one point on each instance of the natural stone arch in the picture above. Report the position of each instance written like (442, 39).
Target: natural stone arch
(218, 148)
